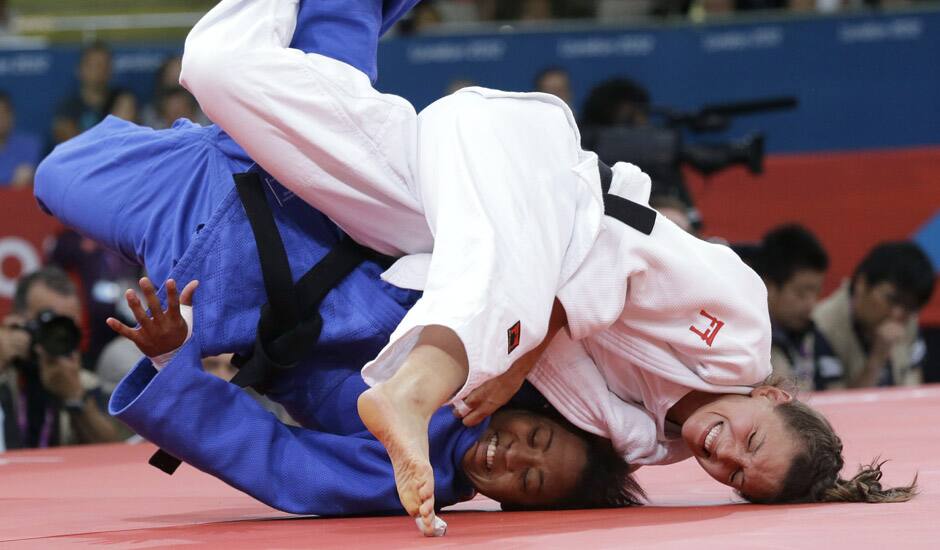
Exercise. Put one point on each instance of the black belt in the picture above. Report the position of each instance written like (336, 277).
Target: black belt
(290, 322)
(639, 217)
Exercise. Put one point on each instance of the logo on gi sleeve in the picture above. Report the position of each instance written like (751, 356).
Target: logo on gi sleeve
(708, 333)
(514, 334)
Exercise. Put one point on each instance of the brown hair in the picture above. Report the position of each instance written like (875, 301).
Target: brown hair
(813, 475)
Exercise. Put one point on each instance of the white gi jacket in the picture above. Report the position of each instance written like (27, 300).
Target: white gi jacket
(496, 210)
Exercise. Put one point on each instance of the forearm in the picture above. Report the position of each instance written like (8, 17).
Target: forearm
(92, 425)
(871, 374)
(217, 428)
(524, 365)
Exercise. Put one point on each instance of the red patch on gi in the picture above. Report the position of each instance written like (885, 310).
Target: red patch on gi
(514, 333)
(708, 333)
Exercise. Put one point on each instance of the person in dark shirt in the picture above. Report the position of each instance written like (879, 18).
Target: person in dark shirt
(88, 106)
(19, 152)
(793, 264)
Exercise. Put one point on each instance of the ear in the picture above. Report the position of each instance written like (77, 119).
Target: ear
(859, 285)
(773, 394)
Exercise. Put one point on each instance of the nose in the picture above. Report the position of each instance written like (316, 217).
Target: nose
(519, 456)
(727, 453)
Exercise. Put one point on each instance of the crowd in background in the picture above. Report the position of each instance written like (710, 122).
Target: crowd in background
(431, 13)
(863, 334)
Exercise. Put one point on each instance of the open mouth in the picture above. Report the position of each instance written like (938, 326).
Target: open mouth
(711, 438)
(491, 451)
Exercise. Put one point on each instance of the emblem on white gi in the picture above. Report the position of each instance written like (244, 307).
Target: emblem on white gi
(514, 334)
(708, 334)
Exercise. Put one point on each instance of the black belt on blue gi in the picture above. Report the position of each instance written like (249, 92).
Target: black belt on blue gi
(290, 321)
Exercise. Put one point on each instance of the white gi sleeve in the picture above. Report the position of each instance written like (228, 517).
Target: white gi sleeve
(568, 378)
(668, 301)
(500, 184)
(314, 123)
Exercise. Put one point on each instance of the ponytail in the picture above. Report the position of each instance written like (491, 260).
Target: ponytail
(813, 475)
(865, 486)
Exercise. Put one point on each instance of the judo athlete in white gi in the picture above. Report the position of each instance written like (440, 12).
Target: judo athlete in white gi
(645, 335)
(167, 199)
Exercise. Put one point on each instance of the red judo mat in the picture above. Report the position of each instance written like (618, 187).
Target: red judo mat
(107, 495)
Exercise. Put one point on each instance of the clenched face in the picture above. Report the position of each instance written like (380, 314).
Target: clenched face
(525, 459)
(742, 442)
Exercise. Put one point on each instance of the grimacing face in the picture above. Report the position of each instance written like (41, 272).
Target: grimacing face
(740, 441)
(525, 459)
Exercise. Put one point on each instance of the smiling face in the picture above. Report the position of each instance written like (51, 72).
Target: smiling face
(742, 442)
(526, 459)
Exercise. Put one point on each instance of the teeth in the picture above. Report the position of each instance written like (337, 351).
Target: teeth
(712, 435)
(491, 452)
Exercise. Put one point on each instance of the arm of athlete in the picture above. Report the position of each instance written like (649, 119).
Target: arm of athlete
(219, 429)
(496, 392)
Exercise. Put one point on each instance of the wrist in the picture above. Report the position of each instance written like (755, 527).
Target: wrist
(75, 404)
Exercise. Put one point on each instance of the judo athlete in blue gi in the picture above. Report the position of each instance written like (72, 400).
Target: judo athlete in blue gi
(166, 200)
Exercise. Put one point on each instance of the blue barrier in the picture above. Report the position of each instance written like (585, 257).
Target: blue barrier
(863, 81)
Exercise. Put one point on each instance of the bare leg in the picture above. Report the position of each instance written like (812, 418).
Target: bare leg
(398, 411)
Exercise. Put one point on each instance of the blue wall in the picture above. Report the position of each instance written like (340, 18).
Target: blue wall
(867, 81)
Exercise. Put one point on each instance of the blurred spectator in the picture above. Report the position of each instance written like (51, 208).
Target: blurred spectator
(421, 18)
(19, 152)
(47, 398)
(793, 265)
(89, 105)
(871, 320)
(176, 103)
(674, 210)
(458, 84)
(555, 81)
(123, 104)
(615, 102)
(103, 276)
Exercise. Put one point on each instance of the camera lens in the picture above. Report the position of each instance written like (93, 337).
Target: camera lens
(57, 335)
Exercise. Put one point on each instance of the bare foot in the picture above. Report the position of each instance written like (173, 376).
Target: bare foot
(404, 432)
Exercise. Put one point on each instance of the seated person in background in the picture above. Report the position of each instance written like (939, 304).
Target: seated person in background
(19, 152)
(793, 264)
(87, 106)
(674, 210)
(871, 320)
(48, 399)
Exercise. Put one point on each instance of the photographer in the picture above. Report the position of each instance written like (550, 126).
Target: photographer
(47, 398)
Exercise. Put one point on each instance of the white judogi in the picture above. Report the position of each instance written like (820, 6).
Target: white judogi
(496, 211)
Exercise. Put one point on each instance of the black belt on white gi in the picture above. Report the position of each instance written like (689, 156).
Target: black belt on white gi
(639, 217)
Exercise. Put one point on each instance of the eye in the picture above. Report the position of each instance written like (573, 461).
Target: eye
(734, 477)
(525, 480)
(532, 436)
(750, 440)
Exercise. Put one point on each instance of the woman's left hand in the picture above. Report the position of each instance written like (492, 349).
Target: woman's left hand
(162, 331)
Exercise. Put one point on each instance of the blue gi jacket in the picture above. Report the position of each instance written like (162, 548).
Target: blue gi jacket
(166, 199)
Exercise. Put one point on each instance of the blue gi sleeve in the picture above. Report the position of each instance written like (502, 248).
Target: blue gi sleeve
(219, 429)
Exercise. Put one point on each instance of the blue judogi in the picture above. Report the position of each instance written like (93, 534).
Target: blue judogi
(166, 199)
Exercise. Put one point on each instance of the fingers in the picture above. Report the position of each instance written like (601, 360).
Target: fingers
(150, 294)
(186, 298)
(139, 314)
(476, 416)
(172, 300)
(121, 328)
